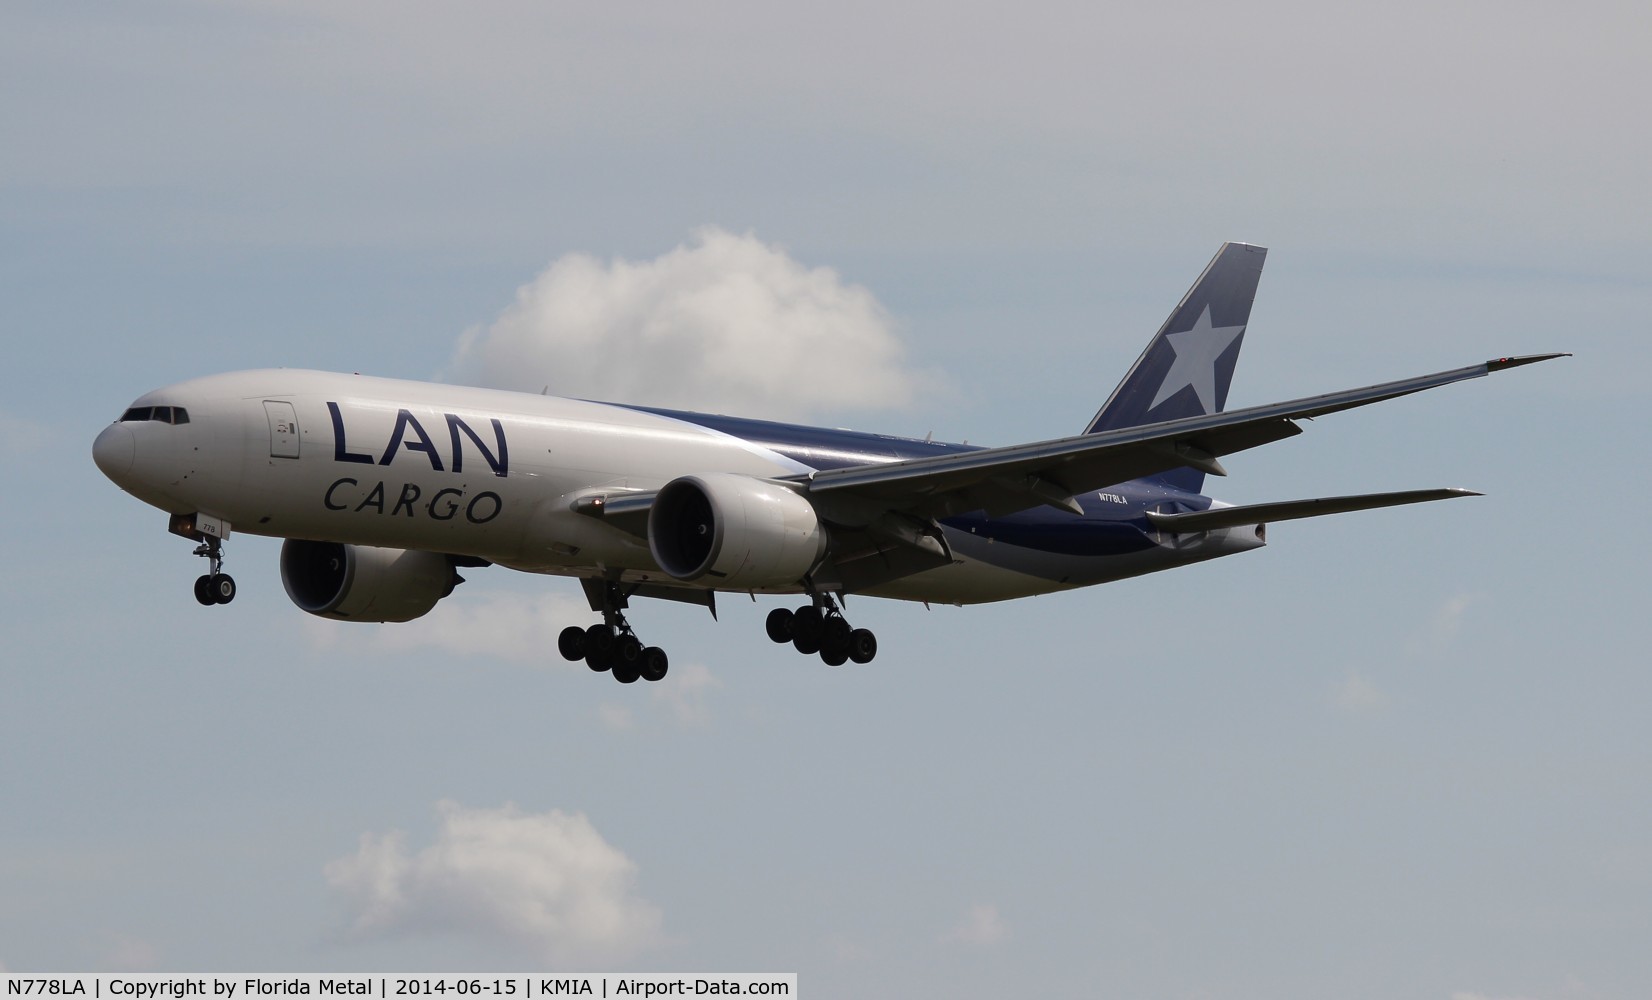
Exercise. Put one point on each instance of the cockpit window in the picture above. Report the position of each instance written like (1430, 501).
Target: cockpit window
(164, 414)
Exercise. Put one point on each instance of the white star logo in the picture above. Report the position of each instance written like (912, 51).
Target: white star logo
(1196, 352)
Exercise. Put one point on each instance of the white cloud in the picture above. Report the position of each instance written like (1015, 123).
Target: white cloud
(1358, 694)
(1448, 619)
(500, 624)
(131, 954)
(980, 926)
(616, 717)
(725, 323)
(684, 691)
(1436, 635)
(848, 950)
(19, 436)
(547, 883)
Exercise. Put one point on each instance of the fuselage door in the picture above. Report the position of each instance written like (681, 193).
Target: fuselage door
(283, 428)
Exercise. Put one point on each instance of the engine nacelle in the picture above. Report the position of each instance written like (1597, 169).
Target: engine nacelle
(734, 532)
(361, 583)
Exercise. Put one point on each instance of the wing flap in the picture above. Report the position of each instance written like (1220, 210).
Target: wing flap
(1288, 510)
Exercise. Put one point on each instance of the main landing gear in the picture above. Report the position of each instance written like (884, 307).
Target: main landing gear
(613, 645)
(821, 628)
(216, 587)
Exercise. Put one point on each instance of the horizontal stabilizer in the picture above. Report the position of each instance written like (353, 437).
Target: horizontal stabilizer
(1260, 513)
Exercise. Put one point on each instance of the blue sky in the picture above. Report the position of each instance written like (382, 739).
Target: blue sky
(1393, 753)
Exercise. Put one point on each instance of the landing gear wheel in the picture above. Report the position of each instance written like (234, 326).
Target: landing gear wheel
(808, 647)
(571, 643)
(222, 586)
(599, 647)
(863, 645)
(835, 634)
(654, 664)
(834, 656)
(626, 673)
(203, 591)
(779, 625)
(629, 652)
(808, 625)
(600, 639)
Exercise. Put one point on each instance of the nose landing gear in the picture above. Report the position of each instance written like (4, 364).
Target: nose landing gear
(216, 587)
(821, 628)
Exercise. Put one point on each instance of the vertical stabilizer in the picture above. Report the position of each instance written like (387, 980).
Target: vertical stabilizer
(1188, 365)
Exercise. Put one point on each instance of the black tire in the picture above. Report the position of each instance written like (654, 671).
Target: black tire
(599, 647)
(600, 640)
(628, 652)
(626, 673)
(223, 588)
(834, 656)
(809, 625)
(571, 643)
(654, 664)
(808, 647)
(863, 645)
(835, 634)
(203, 591)
(779, 625)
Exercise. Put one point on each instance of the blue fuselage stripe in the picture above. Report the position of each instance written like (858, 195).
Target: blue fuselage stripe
(1114, 521)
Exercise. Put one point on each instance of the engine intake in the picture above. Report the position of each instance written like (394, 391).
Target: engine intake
(734, 532)
(361, 583)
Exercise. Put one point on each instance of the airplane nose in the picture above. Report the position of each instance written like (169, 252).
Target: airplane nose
(114, 450)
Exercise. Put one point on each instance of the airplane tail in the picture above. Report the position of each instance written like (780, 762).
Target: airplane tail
(1188, 365)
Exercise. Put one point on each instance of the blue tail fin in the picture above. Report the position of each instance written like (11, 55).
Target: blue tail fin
(1188, 365)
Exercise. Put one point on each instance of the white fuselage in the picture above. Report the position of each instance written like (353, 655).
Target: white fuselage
(487, 474)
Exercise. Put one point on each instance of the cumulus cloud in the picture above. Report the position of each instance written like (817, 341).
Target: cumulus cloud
(547, 883)
(499, 624)
(981, 926)
(725, 323)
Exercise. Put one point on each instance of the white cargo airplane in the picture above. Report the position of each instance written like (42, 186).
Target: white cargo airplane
(383, 489)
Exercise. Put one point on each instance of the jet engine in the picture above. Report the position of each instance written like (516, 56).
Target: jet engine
(361, 583)
(734, 532)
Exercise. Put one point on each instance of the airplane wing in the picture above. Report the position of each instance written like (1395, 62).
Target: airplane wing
(1004, 480)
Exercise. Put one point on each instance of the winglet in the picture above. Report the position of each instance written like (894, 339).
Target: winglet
(1498, 364)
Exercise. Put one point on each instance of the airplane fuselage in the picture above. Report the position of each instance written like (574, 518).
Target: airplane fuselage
(496, 476)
